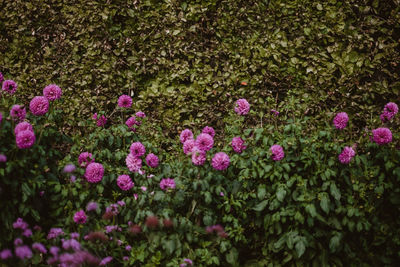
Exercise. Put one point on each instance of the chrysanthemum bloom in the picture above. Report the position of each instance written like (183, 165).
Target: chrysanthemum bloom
(1, 117)
(5, 254)
(382, 136)
(25, 139)
(185, 135)
(54, 250)
(121, 203)
(128, 248)
(152, 160)
(101, 121)
(167, 183)
(346, 155)
(242, 107)
(238, 144)
(52, 92)
(69, 168)
(94, 172)
(208, 130)
(340, 121)
(92, 206)
(20, 224)
(106, 261)
(275, 112)
(131, 122)
(3, 158)
(71, 244)
(27, 233)
(23, 252)
(39, 105)
(204, 142)
(85, 158)
(124, 182)
(18, 241)
(188, 146)
(94, 116)
(137, 149)
(74, 235)
(133, 163)
(135, 229)
(186, 262)
(54, 233)
(220, 161)
(389, 111)
(1, 77)
(152, 222)
(198, 157)
(80, 217)
(140, 114)
(9, 86)
(277, 152)
(18, 112)
(125, 101)
(39, 247)
(23, 126)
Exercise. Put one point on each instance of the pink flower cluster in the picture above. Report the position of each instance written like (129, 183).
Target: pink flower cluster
(277, 152)
(24, 135)
(18, 113)
(133, 160)
(382, 136)
(94, 172)
(52, 92)
(238, 144)
(85, 158)
(218, 229)
(389, 111)
(340, 121)
(167, 183)
(80, 217)
(9, 86)
(132, 121)
(125, 101)
(125, 182)
(39, 105)
(101, 121)
(347, 154)
(242, 107)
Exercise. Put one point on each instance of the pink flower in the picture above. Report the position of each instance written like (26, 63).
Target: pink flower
(1, 77)
(94, 172)
(167, 183)
(382, 136)
(389, 111)
(185, 135)
(39, 105)
(208, 130)
(5, 254)
(220, 161)
(18, 112)
(101, 121)
(52, 92)
(131, 122)
(277, 152)
(188, 146)
(204, 142)
(85, 158)
(80, 217)
(125, 182)
(340, 121)
(125, 101)
(276, 113)
(25, 139)
(23, 126)
(242, 107)
(346, 155)
(133, 163)
(238, 145)
(152, 160)
(144, 189)
(198, 157)
(9, 86)
(140, 114)
(3, 158)
(137, 149)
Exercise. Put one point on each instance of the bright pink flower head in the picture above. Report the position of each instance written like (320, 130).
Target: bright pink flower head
(133, 163)
(3, 158)
(220, 161)
(5, 254)
(25, 139)
(1, 77)
(346, 155)
(382, 136)
(185, 135)
(23, 126)
(85, 158)
(39, 247)
(340, 121)
(277, 152)
(94, 172)
(188, 146)
(80, 217)
(125, 182)
(101, 121)
(152, 160)
(242, 107)
(167, 183)
(9, 86)
(238, 144)
(198, 157)
(39, 105)
(23, 252)
(137, 149)
(125, 101)
(1, 117)
(18, 113)
(140, 114)
(52, 92)
(208, 130)
(389, 111)
(204, 142)
(131, 122)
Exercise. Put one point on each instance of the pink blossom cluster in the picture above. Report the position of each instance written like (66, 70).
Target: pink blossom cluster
(101, 120)
(389, 111)
(24, 135)
(347, 154)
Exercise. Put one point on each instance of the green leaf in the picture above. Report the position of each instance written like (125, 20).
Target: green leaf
(324, 203)
(261, 206)
(261, 192)
(232, 256)
(334, 243)
(335, 191)
(280, 194)
(300, 248)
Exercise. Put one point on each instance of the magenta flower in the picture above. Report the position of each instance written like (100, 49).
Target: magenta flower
(389, 112)
(69, 168)
(39, 105)
(131, 122)
(74, 235)
(340, 121)
(208, 130)
(220, 161)
(133, 163)
(152, 160)
(167, 183)
(125, 182)
(204, 142)
(92, 206)
(276, 113)
(242, 107)
(140, 114)
(52, 92)
(185, 135)
(94, 172)
(277, 152)
(3, 158)
(1, 77)
(1, 117)
(80, 217)
(125, 101)
(382, 136)
(72, 243)
(27, 233)
(137, 149)
(188, 146)
(238, 145)
(54, 233)
(101, 121)
(18, 112)
(105, 261)
(85, 158)
(198, 157)
(20, 224)
(25, 139)
(23, 126)
(346, 155)
(39, 247)
(23, 252)
(9, 86)
(5, 253)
